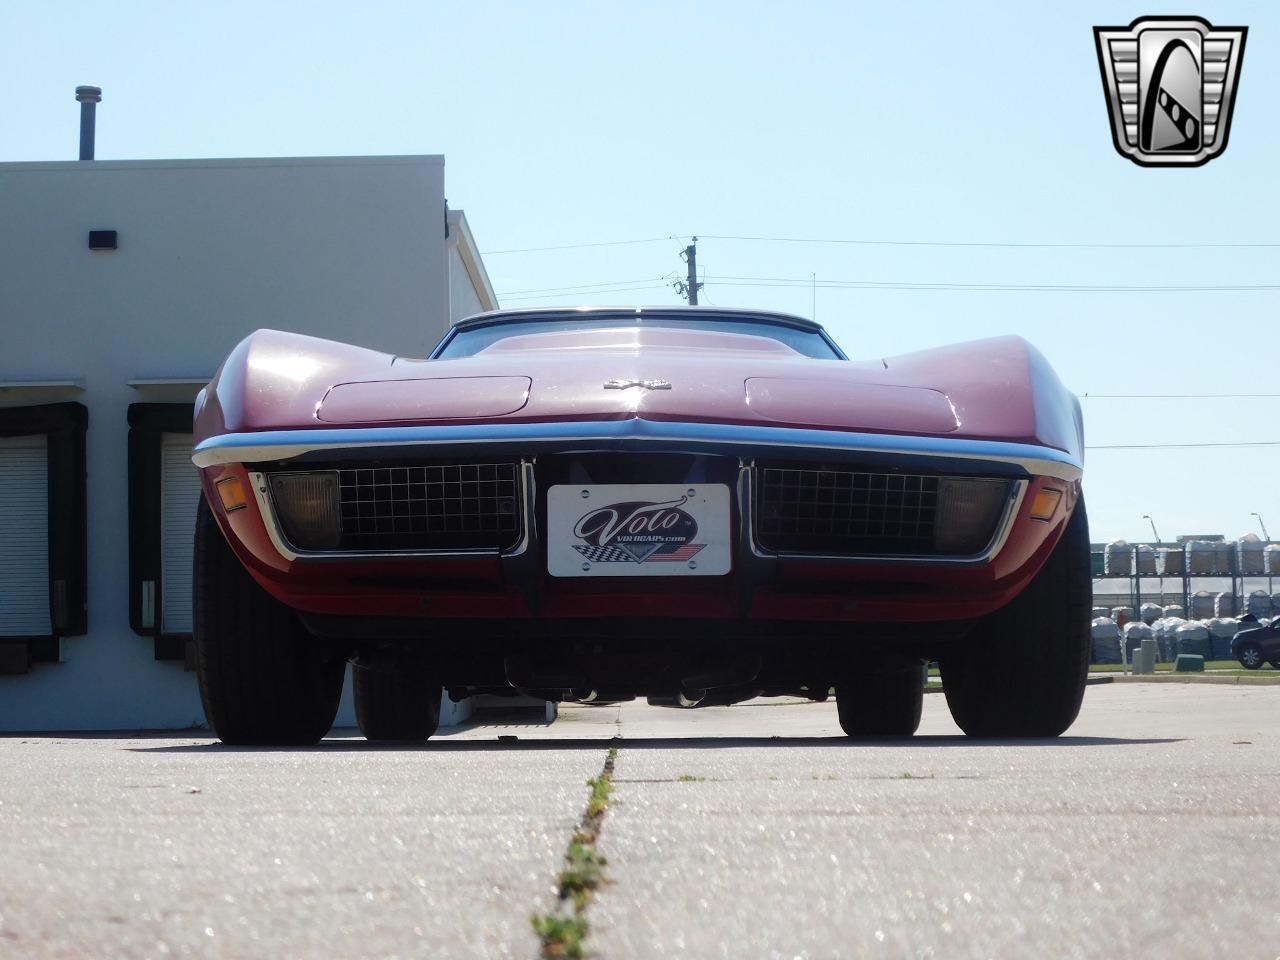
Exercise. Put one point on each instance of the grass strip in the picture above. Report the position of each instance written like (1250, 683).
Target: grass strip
(563, 931)
(1168, 667)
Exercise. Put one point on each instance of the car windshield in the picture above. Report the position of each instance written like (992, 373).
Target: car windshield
(468, 342)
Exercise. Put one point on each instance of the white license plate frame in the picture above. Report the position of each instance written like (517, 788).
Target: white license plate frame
(639, 530)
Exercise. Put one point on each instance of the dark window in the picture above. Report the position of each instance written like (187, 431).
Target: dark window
(469, 341)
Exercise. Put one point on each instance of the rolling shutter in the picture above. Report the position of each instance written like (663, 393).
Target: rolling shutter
(24, 537)
(179, 498)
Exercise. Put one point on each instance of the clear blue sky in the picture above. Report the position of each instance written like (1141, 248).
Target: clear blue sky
(570, 123)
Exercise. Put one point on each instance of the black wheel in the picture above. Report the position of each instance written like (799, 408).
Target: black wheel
(1021, 672)
(263, 679)
(1275, 664)
(881, 703)
(1250, 656)
(401, 704)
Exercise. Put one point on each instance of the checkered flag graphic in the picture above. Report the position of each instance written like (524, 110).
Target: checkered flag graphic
(604, 554)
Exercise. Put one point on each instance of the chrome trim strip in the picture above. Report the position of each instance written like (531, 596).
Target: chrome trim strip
(1010, 517)
(258, 481)
(635, 433)
(262, 492)
(528, 515)
(1013, 502)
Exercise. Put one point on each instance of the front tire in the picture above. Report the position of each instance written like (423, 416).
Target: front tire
(263, 679)
(881, 703)
(1250, 655)
(400, 706)
(1021, 672)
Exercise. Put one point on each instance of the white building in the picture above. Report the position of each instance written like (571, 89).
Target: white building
(122, 286)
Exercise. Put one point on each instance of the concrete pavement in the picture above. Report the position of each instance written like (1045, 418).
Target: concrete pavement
(182, 848)
(1148, 833)
(751, 831)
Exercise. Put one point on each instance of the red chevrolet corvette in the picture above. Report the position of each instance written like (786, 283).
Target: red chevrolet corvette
(694, 505)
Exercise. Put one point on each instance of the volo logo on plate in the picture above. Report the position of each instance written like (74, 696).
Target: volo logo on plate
(636, 530)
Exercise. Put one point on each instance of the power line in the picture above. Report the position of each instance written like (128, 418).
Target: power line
(1001, 244)
(583, 286)
(1180, 396)
(1183, 446)
(809, 283)
(880, 242)
(580, 246)
(987, 287)
(587, 293)
(702, 293)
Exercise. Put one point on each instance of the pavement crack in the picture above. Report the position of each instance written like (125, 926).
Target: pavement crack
(563, 931)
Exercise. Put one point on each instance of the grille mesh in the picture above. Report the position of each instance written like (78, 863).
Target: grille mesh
(430, 507)
(814, 510)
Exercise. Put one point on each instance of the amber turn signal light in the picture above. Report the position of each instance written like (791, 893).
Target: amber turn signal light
(231, 493)
(1045, 504)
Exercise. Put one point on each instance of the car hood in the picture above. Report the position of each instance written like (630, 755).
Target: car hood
(1253, 633)
(992, 389)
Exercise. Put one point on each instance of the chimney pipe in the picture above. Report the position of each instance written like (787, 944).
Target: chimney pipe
(88, 98)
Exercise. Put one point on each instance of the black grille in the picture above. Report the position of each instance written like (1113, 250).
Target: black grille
(430, 507)
(840, 511)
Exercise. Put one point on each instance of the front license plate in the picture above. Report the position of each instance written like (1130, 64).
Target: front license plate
(638, 530)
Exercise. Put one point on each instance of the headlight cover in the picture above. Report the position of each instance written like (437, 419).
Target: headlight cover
(968, 511)
(308, 509)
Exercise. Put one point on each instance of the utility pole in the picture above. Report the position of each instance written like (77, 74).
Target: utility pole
(689, 288)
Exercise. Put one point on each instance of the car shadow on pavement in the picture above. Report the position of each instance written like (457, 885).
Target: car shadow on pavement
(649, 743)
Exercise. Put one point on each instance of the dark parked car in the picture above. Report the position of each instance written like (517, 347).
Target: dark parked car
(1260, 645)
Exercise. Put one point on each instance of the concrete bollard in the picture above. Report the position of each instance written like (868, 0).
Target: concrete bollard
(1144, 658)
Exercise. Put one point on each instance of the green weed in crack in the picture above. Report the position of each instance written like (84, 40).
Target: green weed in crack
(583, 874)
(563, 931)
(601, 787)
(561, 936)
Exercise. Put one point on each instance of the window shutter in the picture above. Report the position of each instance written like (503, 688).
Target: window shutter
(179, 498)
(24, 537)
(43, 551)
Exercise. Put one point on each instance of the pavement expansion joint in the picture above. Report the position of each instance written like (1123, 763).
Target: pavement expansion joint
(563, 931)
